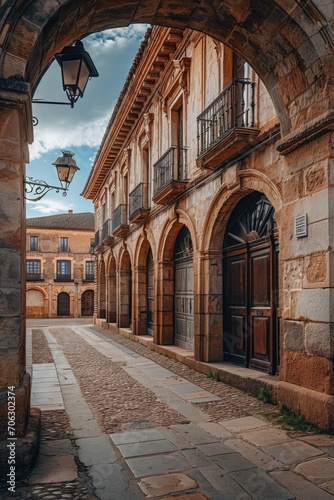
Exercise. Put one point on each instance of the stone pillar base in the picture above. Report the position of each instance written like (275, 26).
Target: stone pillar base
(317, 407)
(25, 452)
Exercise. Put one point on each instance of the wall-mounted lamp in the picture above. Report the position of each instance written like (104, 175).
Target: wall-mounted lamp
(66, 168)
(77, 68)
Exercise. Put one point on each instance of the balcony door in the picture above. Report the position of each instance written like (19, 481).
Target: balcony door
(250, 286)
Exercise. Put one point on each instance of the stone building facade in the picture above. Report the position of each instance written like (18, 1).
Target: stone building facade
(60, 266)
(290, 45)
(205, 240)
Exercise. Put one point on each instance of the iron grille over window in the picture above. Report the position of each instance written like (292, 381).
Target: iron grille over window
(63, 270)
(33, 268)
(63, 245)
(90, 270)
(233, 108)
(106, 229)
(170, 167)
(33, 243)
(119, 217)
(137, 199)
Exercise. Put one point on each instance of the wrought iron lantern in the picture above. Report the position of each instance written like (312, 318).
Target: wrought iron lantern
(77, 68)
(66, 168)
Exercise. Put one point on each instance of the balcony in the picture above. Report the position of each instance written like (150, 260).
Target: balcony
(63, 277)
(227, 125)
(138, 205)
(88, 277)
(98, 238)
(35, 277)
(120, 223)
(107, 236)
(169, 176)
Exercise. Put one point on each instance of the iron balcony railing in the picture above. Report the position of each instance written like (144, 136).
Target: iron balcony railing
(64, 277)
(233, 108)
(106, 229)
(34, 276)
(98, 238)
(170, 167)
(89, 277)
(119, 217)
(138, 199)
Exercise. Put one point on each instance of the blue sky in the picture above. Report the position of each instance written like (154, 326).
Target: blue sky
(79, 129)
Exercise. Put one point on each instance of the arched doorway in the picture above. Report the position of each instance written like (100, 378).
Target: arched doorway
(250, 285)
(150, 292)
(125, 292)
(87, 303)
(63, 304)
(184, 290)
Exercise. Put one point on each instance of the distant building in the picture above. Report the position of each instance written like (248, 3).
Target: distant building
(60, 266)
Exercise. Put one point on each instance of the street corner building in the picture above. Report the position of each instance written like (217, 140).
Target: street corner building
(213, 192)
(60, 266)
(212, 233)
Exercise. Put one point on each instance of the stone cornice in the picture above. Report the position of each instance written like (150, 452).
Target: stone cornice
(306, 133)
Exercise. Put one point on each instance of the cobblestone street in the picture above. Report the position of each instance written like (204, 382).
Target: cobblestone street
(120, 421)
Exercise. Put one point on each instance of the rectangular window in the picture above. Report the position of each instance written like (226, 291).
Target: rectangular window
(90, 270)
(63, 246)
(64, 270)
(33, 268)
(33, 244)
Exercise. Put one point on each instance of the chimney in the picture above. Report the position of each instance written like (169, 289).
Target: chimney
(70, 211)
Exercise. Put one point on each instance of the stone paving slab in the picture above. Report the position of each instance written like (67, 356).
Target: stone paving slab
(212, 449)
(136, 436)
(299, 486)
(319, 470)
(227, 487)
(194, 434)
(266, 437)
(252, 453)
(96, 450)
(215, 429)
(231, 462)
(239, 425)
(260, 485)
(146, 448)
(292, 452)
(161, 464)
(166, 484)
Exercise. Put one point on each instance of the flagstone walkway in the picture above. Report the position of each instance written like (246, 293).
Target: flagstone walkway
(121, 422)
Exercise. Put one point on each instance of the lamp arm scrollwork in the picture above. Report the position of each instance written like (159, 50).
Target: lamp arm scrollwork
(39, 188)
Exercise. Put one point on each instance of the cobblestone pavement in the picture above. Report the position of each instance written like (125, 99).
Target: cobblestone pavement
(137, 424)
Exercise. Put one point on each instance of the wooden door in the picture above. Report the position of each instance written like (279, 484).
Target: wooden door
(261, 327)
(235, 328)
(63, 304)
(184, 291)
(87, 303)
(250, 286)
(150, 293)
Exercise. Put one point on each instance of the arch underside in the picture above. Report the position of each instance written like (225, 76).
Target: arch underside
(291, 50)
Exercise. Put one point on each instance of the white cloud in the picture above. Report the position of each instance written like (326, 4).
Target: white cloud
(61, 127)
(48, 206)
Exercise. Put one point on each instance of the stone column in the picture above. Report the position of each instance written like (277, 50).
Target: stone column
(164, 303)
(15, 133)
(209, 347)
(308, 278)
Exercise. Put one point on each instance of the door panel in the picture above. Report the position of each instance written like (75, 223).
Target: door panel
(260, 309)
(150, 294)
(235, 338)
(87, 303)
(63, 304)
(249, 314)
(183, 304)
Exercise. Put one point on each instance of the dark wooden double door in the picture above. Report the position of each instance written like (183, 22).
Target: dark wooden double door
(251, 315)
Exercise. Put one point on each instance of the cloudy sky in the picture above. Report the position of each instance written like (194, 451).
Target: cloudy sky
(79, 129)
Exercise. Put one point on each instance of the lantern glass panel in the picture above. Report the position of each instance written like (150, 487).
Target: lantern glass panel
(70, 71)
(83, 77)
